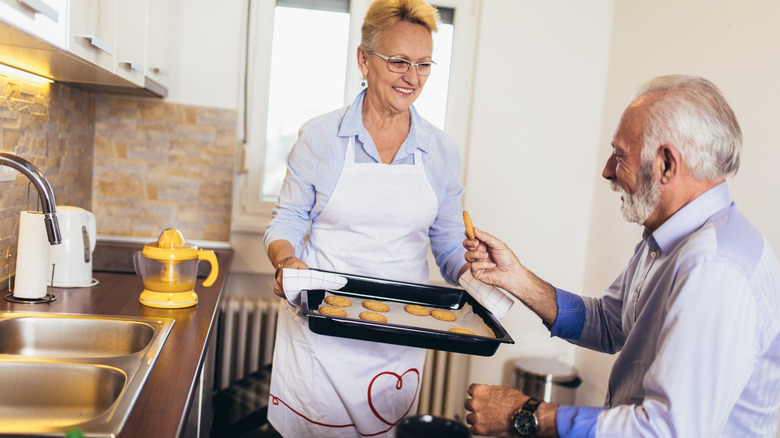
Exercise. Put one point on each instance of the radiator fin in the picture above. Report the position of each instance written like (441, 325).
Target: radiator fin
(247, 331)
(444, 384)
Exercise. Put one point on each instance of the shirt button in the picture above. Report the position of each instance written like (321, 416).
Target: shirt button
(653, 254)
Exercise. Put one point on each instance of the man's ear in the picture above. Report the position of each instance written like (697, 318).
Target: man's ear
(669, 161)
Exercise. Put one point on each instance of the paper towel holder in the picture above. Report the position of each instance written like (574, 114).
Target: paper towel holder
(46, 197)
(48, 298)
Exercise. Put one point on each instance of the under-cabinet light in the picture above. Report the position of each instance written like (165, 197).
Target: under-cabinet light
(7, 70)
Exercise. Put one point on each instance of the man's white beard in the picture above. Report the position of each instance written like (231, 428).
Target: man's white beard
(639, 206)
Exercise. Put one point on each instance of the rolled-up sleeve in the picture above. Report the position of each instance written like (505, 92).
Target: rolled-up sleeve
(571, 315)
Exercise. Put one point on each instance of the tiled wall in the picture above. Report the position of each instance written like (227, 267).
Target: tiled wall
(160, 165)
(52, 126)
(139, 164)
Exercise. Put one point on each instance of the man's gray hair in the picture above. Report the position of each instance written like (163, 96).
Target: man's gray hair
(690, 113)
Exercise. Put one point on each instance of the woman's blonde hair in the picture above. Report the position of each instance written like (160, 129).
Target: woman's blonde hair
(382, 14)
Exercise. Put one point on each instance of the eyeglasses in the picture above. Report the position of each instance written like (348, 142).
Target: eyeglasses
(399, 65)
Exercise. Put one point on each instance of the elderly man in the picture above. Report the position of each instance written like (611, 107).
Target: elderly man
(696, 313)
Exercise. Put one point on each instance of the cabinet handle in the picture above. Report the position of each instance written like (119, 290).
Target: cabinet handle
(98, 44)
(132, 65)
(159, 71)
(41, 8)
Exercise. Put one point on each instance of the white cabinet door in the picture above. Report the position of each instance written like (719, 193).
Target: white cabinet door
(130, 40)
(158, 37)
(45, 19)
(92, 31)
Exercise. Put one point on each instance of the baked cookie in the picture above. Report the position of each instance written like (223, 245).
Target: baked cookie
(443, 315)
(373, 316)
(414, 309)
(469, 225)
(335, 300)
(376, 306)
(333, 311)
(462, 330)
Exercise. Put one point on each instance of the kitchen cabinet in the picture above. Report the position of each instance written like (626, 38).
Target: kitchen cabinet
(158, 37)
(104, 45)
(92, 31)
(44, 19)
(130, 37)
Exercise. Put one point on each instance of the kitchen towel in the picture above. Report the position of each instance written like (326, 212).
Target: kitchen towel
(32, 257)
(495, 300)
(296, 280)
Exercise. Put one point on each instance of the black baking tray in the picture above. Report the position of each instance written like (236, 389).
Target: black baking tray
(409, 293)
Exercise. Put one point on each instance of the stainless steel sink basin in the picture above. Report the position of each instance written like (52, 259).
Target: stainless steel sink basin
(69, 337)
(59, 371)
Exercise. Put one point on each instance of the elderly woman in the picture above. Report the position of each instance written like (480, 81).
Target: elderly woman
(373, 183)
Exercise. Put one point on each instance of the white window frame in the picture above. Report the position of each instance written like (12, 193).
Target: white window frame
(251, 214)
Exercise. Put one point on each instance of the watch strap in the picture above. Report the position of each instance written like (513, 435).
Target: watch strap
(531, 405)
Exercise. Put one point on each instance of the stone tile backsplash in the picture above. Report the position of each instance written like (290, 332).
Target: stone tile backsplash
(160, 165)
(139, 164)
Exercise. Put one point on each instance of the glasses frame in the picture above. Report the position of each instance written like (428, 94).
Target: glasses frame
(409, 64)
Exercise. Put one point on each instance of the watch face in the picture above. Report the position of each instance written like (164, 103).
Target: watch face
(525, 423)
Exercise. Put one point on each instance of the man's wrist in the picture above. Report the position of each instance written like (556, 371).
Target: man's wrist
(524, 420)
(547, 416)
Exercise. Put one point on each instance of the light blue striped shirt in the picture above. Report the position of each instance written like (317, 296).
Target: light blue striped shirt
(696, 319)
(317, 158)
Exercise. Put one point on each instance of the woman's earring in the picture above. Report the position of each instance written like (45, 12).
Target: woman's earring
(363, 84)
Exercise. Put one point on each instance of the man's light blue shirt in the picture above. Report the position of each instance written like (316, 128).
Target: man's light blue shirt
(317, 159)
(696, 318)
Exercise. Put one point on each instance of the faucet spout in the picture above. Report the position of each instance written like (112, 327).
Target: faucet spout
(45, 193)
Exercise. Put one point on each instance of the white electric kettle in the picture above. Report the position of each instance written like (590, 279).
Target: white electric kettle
(72, 258)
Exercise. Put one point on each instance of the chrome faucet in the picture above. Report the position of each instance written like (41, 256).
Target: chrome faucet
(45, 193)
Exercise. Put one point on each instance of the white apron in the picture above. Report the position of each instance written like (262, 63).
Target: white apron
(375, 224)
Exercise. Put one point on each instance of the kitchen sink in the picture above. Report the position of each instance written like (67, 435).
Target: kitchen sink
(73, 337)
(63, 371)
(57, 395)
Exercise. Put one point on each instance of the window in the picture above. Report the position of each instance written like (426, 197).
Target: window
(301, 62)
(432, 103)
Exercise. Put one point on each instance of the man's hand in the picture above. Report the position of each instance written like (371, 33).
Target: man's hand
(492, 408)
(492, 262)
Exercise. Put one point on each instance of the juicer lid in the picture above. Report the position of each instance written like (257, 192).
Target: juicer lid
(170, 246)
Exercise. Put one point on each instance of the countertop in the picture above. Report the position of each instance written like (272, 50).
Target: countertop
(163, 405)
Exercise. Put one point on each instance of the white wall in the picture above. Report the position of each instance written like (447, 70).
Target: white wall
(538, 100)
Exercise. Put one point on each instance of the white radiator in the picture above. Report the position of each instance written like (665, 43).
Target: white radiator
(247, 331)
(444, 384)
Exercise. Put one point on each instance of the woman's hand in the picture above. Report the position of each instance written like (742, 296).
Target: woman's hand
(291, 262)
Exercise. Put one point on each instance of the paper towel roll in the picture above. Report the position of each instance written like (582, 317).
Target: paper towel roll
(32, 257)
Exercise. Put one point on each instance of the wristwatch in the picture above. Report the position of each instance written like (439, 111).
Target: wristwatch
(524, 421)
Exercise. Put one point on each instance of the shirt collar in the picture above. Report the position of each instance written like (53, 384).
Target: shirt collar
(419, 133)
(691, 217)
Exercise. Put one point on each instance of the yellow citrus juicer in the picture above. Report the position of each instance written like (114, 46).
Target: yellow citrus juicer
(168, 268)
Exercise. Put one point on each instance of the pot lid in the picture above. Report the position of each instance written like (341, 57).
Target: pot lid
(546, 369)
(170, 246)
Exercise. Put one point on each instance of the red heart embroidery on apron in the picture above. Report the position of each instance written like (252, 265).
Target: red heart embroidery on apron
(399, 384)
